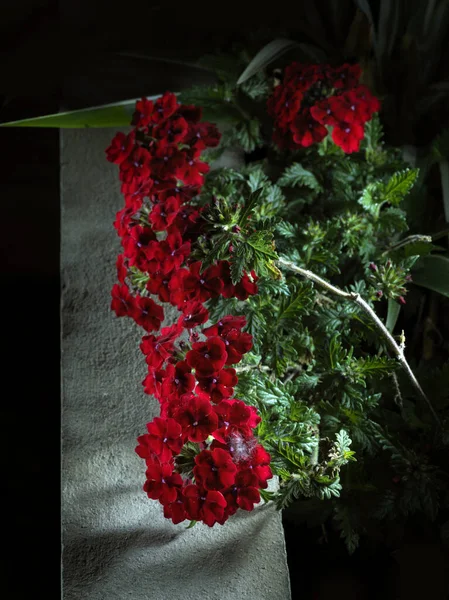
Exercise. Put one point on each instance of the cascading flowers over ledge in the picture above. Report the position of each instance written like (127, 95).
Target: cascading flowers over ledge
(277, 360)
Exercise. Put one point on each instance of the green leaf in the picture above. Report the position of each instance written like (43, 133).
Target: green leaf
(295, 305)
(118, 114)
(250, 205)
(366, 9)
(432, 272)
(265, 56)
(238, 262)
(399, 185)
(262, 241)
(297, 175)
(216, 102)
(247, 133)
(375, 366)
(392, 314)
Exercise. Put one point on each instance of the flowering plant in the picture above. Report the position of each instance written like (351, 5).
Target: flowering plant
(262, 371)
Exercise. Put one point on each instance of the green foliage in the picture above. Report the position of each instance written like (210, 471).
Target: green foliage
(296, 175)
(341, 420)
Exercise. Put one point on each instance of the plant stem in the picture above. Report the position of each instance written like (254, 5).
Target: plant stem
(355, 297)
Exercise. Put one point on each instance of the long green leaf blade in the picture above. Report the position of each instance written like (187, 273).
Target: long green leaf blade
(392, 314)
(117, 114)
(432, 272)
(265, 56)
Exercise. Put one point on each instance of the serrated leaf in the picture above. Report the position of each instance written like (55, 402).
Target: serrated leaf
(295, 305)
(265, 56)
(238, 262)
(248, 134)
(262, 241)
(375, 366)
(296, 175)
(250, 205)
(256, 179)
(399, 186)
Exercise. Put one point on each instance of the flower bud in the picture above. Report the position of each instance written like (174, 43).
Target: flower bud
(379, 293)
(236, 229)
(373, 267)
(401, 299)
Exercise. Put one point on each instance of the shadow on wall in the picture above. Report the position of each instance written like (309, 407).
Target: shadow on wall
(89, 557)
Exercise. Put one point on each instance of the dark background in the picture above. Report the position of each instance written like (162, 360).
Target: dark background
(64, 55)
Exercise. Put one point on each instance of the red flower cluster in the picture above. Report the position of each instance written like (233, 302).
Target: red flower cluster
(161, 172)
(313, 97)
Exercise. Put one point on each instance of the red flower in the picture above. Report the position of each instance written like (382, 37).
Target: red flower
(219, 385)
(237, 343)
(175, 510)
(164, 107)
(122, 301)
(284, 104)
(172, 131)
(235, 417)
(258, 464)
(204, 506)
(120, 148)
(346, 76)
(243, 494)
(306, 131)
(179, 380)
(348, 136)
(155, 254)
(143, 113)
(162, 483)
(135, 245)
(165, 161)
(136, 166)
(369, 102)
(208, 284)
(225, 325)
(190, 112)
(176, 251)
(147, 313)
(123, 220)
(187, 217)
(197, 418)
(122, 270)
(325, 111)
(192, 171)
(135, 191)
(207, 357)
(164, 213)
(159, 348)
(194, 314)
(246, 286)
(214, 470)
(153, 381)
(159, 285)
(203, 135)
(164, 438)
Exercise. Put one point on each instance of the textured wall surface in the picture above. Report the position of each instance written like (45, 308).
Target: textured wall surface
(116, 542)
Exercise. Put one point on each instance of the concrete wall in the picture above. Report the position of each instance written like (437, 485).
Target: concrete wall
(116, 542)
